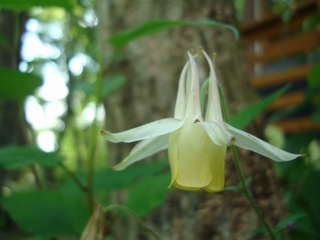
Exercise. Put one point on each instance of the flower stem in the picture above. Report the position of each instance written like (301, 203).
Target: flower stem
(94, 128)
(247, 194)
(245, 189)
(74, 177)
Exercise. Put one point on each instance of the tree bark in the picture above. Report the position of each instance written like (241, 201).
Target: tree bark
(152, 66)
(12, 125)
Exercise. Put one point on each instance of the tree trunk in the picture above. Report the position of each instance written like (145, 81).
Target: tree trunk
(12, 125)
(153, 65)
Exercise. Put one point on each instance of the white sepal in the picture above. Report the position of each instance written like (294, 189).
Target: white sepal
(247, 141)
(217, 133)
(143, 150)
(147, 131)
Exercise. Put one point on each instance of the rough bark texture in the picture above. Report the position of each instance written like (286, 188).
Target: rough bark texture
(153, 66)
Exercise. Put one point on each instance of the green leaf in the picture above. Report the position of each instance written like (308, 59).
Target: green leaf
(147, 183)
(213, 23)
(232, 189)
(148, 193)
(109, 86)
(13, 157)
(248, 181)
(311, 22)
(48, 213)
(119, 40)
(289, 219)
(108, 179)
(238, 188)
(20, 5)
(247, 114)
(15, 85)
(313, 77)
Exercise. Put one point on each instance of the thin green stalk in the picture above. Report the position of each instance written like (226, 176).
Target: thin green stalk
(247, 193)
(236, 161)
(74, 177)
(94, 129)
(38, 182)
(133, 214)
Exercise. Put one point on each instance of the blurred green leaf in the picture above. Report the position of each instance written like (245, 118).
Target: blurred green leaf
(109, 86)
(311, 22)
(248, 181)
(15, 85)
(13, 157)
(310, 192)
(306, 227)
(109, 179)
(232, 189)
(242, 119)
(287, 15)
(148, 193)
(238, 188)
(313, 77)
(47, 213)
(119, 40)
(290, 219)
(20, 5)
(147, 183)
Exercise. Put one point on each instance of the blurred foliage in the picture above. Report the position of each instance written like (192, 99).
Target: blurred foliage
(121, 39)
(247, 114)
(302, 176)
(55, 199)
(48, 213)
(13, 157)
(16, 85)
(20, 5)
(59, 207)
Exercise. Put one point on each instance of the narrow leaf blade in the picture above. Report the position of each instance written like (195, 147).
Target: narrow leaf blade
(242, 119)
(119, 40)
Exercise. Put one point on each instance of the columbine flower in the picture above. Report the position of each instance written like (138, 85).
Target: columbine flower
(196, 145)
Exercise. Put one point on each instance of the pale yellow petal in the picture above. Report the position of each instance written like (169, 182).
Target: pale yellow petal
(217, 168)
(173, 155)
(190, 157)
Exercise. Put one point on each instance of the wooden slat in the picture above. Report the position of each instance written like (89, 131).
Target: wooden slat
(286, 47)
(273, 25)
(279, 78)
(299, 124)
(289, 99)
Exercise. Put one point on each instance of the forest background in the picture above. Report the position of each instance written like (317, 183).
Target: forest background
(70, 68)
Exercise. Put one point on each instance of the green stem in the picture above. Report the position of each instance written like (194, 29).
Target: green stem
(247, 193)
(94, 129)
(74, 177)
(133, 214)
(236, 161)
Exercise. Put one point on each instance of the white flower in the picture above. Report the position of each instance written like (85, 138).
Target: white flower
(196, 145)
